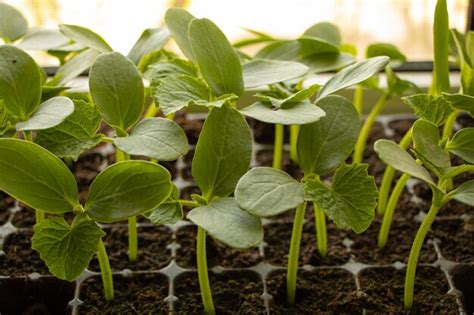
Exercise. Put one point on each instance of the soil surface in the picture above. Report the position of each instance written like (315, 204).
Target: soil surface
(456, 239)
(463, 278)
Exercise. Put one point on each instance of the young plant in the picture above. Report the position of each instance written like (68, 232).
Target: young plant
(432, 156)
(117, 193)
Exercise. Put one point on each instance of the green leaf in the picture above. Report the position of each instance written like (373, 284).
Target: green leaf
(327, 62)
(126, 189)
(159, 71)
(157, 138)
(36, 177)
(293, 99)
(223, 152)
(434, 109)
(299, 114)
(49, 114)
(461, 102)
(85, 36)
(353, 74)
(281, 50)
(151, 39)
(397, 86)
(166, 213)
(325, 144)
(426, 142)
(325, 31)
(258, 72)
(218, 102)
(462, 144)
(178, 21)
(74, 67)
(216, 58)
(312, 45)
(397, 58)
(441, 48)
(13, 24)
(265, 192)
(66, 250)
(43, 39)
(20, 81)
(117, 89)
(393, 155)
(179, 91)
(464, 193)
(351, 199)
(74, 135)
(226, 222)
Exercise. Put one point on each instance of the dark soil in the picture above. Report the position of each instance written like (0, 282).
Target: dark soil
(138, 294)
(153, 253)
(465, 121)
(463, 278)
(24, 218)
(328, 291)
(264, 132)
(6, 202)
(456, 239)
(400, 128)
(265, 158)
(46, 295)
(384, 289)
(233, 293)
(192, 128)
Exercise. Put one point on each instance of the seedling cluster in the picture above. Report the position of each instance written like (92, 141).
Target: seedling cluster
(43, 130)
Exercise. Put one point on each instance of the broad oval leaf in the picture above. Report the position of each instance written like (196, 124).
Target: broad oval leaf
(151, 39)
(117, 89)
(325, 31)
(85, 37)
(265, 192)
(258, 72)
(435, 109)
(166, 213)
(226, 222)
(393, 155)
(353, 74)
(74, 67)
(36, 177)
(20, 81)
(217, 60)
(426, 142)
(299, 114)
(464, 193)
(223, 152)
(350, 201)
(49, 114)
(397, 58)
(281, 50)
(43, 39)
(178, 21)
(315, 46)
(157, 138)
(127, 189)
(462, 144)
(13, 24)
(66, 250)
(323, 145)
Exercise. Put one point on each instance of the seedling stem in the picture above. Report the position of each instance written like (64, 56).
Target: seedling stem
(358, 98)
(294, 130)
(204, 285)
(105, 272)
(321, 230)
(278, 147)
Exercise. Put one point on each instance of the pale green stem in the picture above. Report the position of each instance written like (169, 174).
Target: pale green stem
(447, 133)
(105, 272)
(278, 147)
(294, 131)
(358, 99)
(152, 110)
(293, 255)
(188, 203)
(206, 293)
(321, 230)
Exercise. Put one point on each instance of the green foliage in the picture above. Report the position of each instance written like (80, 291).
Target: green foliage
(13, 24)
(464, 193)
(462, 144)
(49, 114)
(435, 109)
(74, 67)
(426, 142)
(259, 72)
(85, 36)
(397, 58)
(150, 40)
(178, 21)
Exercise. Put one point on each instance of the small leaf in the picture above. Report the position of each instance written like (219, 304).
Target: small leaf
(36, 177)
(281, 50)
(393, 155)
(226, 222)
(74, 135)
(151, 39)
(74, 67)
(13, 24)
(299, 114)
(397, 58)
(426, 141)
(157, 138)
(327, 62)
(223, 152)
(166, 213)
(464, 193)
(293, 99)
(49, 114)
(178, 21)
(85, 37)
(461, 102)
(462, 144)
(434, 109)
(159, 71)
(126, 189)
(315, 46)
(258, 72)
(66, 250)
(43, 39)
(116, 87)
(351, 199)
(353, 74)
(20, 81)
(325, 144)
(265, 192)
(326, 31)
(216, 58)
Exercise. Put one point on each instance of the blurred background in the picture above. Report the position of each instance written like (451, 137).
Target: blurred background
(405, 23)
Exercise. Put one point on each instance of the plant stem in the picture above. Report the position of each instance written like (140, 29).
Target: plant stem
(105, 272)
(367, 127)
(152, 110)
(278, 147)
(388, 177)
(39, 216)
(293, 255)
(203, 276)
(358, 98)
(132, 239)
(188, 203)
(448, 126)
(388, 215)
(321, 230)
(294, 131)
(416, 248)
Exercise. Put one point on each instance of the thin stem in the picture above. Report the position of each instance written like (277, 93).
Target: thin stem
(358, 99)
(388, 215)
(132, 239)
(152, 110)
(388, 176)
(188, 203)
(416, 248)
(39, 216)
(203, 276)
(105, 272)
(448, 126)
(367, 127)
(278, 147)
(294, 131)
(28, 135)
(321, 230)
(293, 255)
